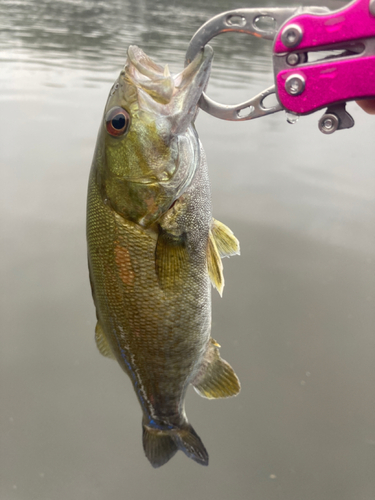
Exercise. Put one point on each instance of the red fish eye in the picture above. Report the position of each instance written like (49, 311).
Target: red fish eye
(117, 121)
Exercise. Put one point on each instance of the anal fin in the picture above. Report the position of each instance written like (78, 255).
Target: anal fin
(102, 342)
(216, 378)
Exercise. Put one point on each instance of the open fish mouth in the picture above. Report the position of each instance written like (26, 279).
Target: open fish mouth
(157, 81)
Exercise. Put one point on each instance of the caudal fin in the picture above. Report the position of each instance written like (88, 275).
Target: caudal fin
(160, 445)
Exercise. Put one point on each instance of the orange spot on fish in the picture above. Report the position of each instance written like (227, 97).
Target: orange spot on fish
(123, 262)
(152, 205)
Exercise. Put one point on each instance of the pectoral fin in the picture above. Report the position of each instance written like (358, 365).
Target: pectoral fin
(214, 265)
(102, 342)
(171, 259)
(227, 244)
(216, 378)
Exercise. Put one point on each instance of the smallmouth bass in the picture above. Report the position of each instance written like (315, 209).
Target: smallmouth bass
(154, 248)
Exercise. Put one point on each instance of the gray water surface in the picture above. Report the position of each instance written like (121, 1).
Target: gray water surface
(297, 317)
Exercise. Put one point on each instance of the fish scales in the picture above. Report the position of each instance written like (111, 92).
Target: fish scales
(154, 248)
(157, 325)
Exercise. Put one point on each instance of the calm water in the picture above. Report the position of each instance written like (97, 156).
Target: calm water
(297, 317)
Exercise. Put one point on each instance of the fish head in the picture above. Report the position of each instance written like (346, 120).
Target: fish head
(148, 149)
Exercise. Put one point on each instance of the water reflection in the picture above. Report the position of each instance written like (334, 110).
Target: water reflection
(79, 35)
(93, 37)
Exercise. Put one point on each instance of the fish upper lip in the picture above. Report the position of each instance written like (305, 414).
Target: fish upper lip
(144, 64)
(144, 71)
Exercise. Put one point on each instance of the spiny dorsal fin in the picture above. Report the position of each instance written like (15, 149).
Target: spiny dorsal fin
(214, 265)
(102, 342)
(227, 244)
(216, 378)
(171, 259)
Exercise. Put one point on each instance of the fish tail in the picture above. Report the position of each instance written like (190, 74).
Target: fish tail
(160, 445)
(190, 443)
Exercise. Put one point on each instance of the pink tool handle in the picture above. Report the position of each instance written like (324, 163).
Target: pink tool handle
(329, 83)
(332, 81)
(350, 23)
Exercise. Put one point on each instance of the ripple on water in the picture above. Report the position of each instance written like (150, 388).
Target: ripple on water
(92, 38)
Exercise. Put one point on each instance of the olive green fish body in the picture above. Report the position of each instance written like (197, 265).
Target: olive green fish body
(158, 335)
(153, 251)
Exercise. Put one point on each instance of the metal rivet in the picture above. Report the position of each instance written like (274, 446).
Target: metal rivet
(292, 59)
(295, 84)
(291, 35)
(329, 123)
(372, 7)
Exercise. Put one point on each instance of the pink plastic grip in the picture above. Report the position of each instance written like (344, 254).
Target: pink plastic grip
(350, 23)
(336, 80)
(329, 83)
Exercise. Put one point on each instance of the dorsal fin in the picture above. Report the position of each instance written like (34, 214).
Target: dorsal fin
(227, 244)
(214, 265)
(216, 378)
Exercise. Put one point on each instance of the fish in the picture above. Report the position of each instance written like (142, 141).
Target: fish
(154, 249)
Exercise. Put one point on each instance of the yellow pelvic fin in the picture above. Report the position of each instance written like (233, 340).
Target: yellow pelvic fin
(227, 244)
(214, 265)
(216, 378)
(102, 342)
(171, 259)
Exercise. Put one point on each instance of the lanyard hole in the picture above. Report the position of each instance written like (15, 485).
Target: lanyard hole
(245, 112)
(265, 23)
(236, 20)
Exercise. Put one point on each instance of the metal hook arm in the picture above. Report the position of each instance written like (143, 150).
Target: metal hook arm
(253, 108)
(242, 21)
(239, 20)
